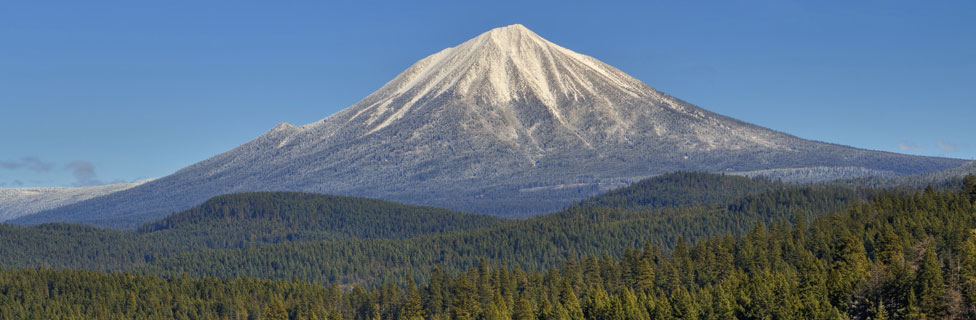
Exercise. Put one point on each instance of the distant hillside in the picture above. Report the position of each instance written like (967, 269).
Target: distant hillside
(227, 222)
(237, 220)
(680, 188)
(18, 202)
(949, 178)
(349, 240)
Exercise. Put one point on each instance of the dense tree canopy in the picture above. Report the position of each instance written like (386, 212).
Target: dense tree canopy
(898, 256)
(343, 240)
(810, 252)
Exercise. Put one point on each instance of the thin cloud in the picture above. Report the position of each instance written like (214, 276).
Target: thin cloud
(946, 146)
(84, 173)
(31, 163)
(909, 146)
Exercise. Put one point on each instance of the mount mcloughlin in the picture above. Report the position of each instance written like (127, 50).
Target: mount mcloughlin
(506, 123)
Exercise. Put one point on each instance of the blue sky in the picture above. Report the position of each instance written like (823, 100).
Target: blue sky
(94, 92)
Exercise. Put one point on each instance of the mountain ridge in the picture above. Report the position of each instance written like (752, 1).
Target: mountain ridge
(18, 202)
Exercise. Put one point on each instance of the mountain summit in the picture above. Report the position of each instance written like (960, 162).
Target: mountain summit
(505, 123)
(502, 69)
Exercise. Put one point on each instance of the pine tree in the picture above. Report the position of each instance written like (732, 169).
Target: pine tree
(969, 187)
(434, 295)
(967, 272)
(596, 303)
(466, 305)
(681, 260)
(412, 305)
(591, 270)
(523, 310)
(880, 312)
(570, 302)
(497, 308)
(850, 268)
(644, 275)
(131, 306)
(630, 307)
(912, 311)
(275, 310)
(723, 304)
(930, 285)
(573, 273)
(683, 305)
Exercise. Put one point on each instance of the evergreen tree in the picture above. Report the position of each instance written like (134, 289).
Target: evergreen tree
(683, 304)
(570, 302)
(644, 275)
(848, 271)
(275, 310)
(596, 304)
(930, 285)
(523, 310)
(412, 306)
(466, 305)
(967, 272)
(497, 308)
(912, 311)
(969, 187)
(434, 295)
(880, 312)
(723, 304)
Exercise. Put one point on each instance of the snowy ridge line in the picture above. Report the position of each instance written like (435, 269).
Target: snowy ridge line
(18, 202)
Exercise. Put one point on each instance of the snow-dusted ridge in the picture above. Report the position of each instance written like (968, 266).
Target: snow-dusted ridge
(18, 202)
(506, 123)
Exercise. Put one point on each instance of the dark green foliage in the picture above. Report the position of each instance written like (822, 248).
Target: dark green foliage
(680, 188)
(281, 235)
(272, 217)
(969, 186)
(842, 265)
(227, 222)
(534, 244)
(50, 294)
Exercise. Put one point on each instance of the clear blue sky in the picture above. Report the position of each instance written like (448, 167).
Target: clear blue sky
(94, 92)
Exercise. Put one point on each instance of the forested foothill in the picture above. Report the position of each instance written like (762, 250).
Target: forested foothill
(747, 248)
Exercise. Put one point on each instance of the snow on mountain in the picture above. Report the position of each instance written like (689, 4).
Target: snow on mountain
(506, 123)
(17, 202)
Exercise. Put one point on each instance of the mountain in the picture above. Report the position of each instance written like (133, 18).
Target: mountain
(17, 202)
(506, 123)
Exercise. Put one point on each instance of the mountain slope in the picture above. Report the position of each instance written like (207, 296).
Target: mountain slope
(17, 202)
(506, 123)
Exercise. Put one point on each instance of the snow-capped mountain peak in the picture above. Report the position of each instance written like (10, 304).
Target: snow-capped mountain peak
(505, 123)
(498, 67)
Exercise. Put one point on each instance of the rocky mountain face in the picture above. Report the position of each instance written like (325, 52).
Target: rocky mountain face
(506, 123)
